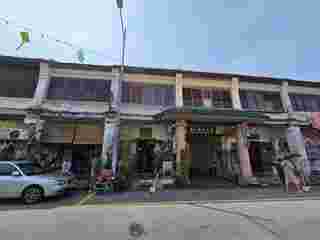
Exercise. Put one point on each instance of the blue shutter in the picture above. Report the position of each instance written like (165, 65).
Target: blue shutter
(244, 100)
(252, 101)
(157, 95)
(125, 91)
(148, 98)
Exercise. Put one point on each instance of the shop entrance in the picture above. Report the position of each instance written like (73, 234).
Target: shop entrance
(210, 162)
(205, 157)
(81, 159)
(261, 156)
(145, 156)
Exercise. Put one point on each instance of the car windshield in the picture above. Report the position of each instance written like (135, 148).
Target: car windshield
(28, 168)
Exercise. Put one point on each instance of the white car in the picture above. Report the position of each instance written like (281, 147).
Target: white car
(19, 179)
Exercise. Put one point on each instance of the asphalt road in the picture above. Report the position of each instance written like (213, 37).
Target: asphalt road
(258, 220)
(68, 199)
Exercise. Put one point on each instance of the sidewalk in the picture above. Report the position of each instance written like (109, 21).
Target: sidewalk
(234, 194)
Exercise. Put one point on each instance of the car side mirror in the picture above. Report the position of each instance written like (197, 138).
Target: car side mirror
(15, 174)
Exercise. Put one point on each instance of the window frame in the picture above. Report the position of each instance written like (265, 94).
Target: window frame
(14, 168)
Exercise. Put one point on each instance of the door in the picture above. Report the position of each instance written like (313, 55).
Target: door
(9, 185)
(201, 154)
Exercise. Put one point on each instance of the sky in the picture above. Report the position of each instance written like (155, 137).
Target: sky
(255, 37)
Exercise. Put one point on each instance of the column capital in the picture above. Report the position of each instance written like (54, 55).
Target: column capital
(179, 75)
(115, 70)
(181, 123)
(235, 79)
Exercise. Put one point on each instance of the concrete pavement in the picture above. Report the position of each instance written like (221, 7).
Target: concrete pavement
(260, 220)
(166, 196)
(212, 195)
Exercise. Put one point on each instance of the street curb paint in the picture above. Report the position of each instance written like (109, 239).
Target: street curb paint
(85, 199)
(175, 203)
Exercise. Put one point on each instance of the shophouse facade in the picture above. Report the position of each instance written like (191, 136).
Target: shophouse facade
(225, 125)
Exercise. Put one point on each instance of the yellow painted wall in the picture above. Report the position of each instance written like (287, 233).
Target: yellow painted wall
(199, 82)
(151, 79)
(132, 132)
(187, 82)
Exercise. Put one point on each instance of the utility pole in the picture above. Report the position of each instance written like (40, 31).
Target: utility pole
(112, 121)
(123, 49)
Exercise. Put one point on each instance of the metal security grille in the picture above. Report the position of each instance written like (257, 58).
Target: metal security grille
(261, 101)
(148, 94)
(204, 97)
(78, 89)
(305, 103)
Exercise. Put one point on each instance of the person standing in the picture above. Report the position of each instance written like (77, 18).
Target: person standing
(93, 168)
(280, 154)
(66, 168)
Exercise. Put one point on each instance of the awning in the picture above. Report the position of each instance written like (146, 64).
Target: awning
(81, 133)
(79, 110)
(203, 114)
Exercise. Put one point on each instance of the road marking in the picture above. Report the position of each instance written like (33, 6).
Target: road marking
(85, 199)
(175, 203)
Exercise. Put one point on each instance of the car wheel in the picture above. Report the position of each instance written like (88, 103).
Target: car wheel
(32, 194)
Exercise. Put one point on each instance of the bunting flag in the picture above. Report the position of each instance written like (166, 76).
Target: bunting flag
(25, 31)
(80, 55)
(25, 38)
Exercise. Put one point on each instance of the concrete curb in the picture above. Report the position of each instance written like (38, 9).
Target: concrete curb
(175, 203)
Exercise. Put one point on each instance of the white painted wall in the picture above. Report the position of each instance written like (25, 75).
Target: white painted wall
(303, 90)
(87, 74)
(43, 84)
(259, 86)
(15, 103)
(132, 130)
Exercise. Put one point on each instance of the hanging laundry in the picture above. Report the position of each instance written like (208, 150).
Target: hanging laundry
(296, 145)
(25, 38)
(315, 118)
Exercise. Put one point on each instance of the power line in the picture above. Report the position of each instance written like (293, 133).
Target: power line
(52, 38)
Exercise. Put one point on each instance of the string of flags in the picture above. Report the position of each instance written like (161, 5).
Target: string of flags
(25, 38)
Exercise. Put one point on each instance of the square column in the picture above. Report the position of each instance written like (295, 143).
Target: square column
(235, 96)
(285, 99)
(179, 90)
(246, 174)
(43, 84)
(294, 135)
(180, 144)
(245, 165)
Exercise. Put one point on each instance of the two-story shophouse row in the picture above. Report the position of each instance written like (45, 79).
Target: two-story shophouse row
(228, 125)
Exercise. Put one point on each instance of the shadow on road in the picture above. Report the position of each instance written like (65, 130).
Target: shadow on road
(68, 199)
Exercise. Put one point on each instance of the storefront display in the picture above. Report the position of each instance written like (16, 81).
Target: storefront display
(312, 143)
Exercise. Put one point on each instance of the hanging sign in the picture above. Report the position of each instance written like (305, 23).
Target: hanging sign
(8, 124)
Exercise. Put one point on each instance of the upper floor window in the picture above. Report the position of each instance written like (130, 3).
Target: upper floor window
(78, 89)
(305, 103)
(18, 81)
(148, 94)
(198, 97)
(261, 101)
